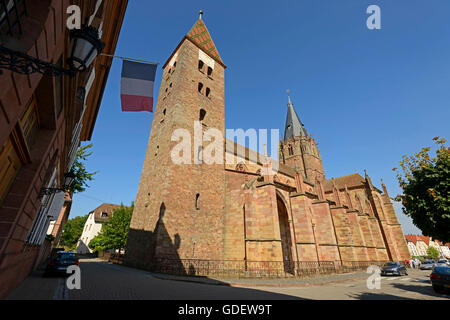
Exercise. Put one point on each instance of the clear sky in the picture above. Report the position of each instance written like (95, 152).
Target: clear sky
(368, 96)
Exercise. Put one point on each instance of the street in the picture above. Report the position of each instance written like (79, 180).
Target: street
(104, 281)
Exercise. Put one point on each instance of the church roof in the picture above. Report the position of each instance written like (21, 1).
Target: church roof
(352, 180)
(294, 127)
(200, 36)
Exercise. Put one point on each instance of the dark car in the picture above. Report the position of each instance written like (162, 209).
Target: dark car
(393, 269)
(440, 279)
(60, 262)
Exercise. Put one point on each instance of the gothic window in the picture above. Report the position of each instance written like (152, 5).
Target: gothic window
(200, 65)
(164, 112)
(197, 204)
(202, 115)
(200, 87)
(174, 64)
(291, 151)
(210, 71)
(208, 91)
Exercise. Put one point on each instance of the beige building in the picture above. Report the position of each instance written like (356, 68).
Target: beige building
(93, 226)
(418, 245)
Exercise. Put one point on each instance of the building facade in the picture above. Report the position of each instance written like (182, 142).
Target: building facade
(93, 226)
(418, 246)
(240, 208)
(43, 119)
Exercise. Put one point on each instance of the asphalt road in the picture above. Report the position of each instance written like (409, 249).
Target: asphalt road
(100, 280)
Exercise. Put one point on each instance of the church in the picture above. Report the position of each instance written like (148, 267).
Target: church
(243, 210)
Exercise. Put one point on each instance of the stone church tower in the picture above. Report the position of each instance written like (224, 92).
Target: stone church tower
(179, 209)
(299, 150)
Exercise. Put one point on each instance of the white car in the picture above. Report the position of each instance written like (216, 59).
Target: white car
(443, 262)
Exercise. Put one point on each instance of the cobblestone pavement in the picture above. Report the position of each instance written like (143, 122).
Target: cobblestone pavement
(100, 280)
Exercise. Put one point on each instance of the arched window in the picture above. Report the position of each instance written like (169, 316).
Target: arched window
(202, 115)
(208, 91)
(210, 71)
(164, 112)
(200, 65)
(197, 204)
(200, 87)
(174, 64)
(291, 151)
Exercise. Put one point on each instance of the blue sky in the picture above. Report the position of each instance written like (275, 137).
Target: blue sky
(368, 96)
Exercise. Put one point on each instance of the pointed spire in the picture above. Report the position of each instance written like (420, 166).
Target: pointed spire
(368, 180)
(384, 188)
(294, 127)
(200, 36)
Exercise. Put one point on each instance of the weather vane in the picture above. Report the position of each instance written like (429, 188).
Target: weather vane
(201, 14)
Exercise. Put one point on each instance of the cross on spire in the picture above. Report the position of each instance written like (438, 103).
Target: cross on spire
(201, 14)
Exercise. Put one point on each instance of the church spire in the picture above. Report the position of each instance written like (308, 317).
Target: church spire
(294, 127)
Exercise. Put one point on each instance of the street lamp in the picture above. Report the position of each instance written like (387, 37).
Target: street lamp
(85, 46)
(68, 179)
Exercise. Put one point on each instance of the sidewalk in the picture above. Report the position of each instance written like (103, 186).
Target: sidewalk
(256, 282)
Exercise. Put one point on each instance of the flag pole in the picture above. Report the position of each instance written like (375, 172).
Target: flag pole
(129, 59)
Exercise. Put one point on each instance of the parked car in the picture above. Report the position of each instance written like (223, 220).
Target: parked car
(59, 264)
(428, 265)
(393, 269)
(443, 262)
(440, 279)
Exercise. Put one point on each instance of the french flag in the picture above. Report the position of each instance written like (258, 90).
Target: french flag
(137, 82)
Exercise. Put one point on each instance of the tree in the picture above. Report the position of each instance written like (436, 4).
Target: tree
(426, 188)
(114, 233)
(82, 176)
(432, 253)
(72, 232)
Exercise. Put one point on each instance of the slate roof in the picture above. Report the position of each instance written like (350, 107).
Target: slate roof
(294, 127)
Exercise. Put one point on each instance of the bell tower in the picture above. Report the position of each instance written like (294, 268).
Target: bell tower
(298, 149)
(179, 209)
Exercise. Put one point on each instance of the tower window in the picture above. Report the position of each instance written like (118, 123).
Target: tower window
(210, 71)
(197, 204)
(200, 87)
(202, 114)
(164, 112)
(200, 65)
(208, 91)
(174, 64)
(170, 85)
(291, 151)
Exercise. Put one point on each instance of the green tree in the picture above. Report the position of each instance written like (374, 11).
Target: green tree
(72, 232)
(114, 233)
(82, 176)
(425, 181)
(432, 253)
